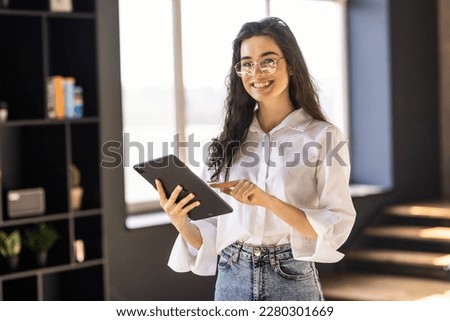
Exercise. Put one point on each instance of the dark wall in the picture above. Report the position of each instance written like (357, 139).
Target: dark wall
(137, 259)
(411, 43)
(415, 98)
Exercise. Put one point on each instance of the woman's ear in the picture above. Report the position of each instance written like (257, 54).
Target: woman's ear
(290, 70)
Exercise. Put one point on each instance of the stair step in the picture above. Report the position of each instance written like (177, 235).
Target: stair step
(433, 210)
(379, 287)
(422, 233)
(439, 261)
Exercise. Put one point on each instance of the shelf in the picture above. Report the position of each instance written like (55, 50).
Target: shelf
(34, 219)
(37, 152)
(49, 217)
(29, 7)
(50, 270)
(47, 122)
(47, 14)
(87, 213)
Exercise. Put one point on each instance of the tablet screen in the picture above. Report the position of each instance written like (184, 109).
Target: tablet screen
(171, 171)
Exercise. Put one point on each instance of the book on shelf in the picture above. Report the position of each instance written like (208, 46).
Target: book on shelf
(64, 98)
(78, 102)
(51, 98)
(69, 98)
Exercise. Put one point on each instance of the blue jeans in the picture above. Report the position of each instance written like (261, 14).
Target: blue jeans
(265, 273)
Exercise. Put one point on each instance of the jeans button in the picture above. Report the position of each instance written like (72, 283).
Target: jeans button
(257, 251)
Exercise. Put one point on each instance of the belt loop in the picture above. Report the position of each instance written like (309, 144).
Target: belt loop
(238, 252)
(272, 256)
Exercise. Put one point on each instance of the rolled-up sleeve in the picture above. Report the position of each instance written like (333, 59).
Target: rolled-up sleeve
(185, 258)
(334, 215)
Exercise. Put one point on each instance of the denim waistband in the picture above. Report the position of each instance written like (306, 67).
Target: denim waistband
(269, 253)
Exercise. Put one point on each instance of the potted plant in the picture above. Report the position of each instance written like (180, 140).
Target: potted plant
(76, 191)
(10, 247)
(40, 240)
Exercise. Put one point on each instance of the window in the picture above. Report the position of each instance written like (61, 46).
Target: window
(156, 58)
(207, 59)
(147, 72)
(319, 27)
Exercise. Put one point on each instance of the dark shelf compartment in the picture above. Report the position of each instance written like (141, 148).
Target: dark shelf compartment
(43, 5)
(28, 5)
(84, 284)
(21, 67)
(85, 155)
(57, 255)
(72, 50)
(24, 289)
(33, 157)
(89, 229)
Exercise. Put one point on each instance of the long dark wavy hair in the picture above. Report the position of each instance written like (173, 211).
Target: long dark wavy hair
(240, 106)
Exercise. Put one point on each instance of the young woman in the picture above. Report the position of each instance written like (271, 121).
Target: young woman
(283, 168)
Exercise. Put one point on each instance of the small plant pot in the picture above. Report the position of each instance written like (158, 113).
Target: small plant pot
(41, 258)
(13, 262)
(76, 198)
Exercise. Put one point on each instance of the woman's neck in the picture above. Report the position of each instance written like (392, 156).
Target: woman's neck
(270, 116)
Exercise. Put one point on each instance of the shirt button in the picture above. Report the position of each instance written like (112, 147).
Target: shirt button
(257, 251)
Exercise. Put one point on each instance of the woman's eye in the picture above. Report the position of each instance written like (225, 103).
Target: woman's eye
(247, 64)
(267, 62)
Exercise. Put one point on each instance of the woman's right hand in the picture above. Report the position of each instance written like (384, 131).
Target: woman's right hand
(177, 212)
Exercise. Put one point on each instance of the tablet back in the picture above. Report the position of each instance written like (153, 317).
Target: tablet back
(171, 171)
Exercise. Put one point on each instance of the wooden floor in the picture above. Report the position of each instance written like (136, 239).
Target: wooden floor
(373, 287)
(438, 209)
(424, 233)
(403, 257)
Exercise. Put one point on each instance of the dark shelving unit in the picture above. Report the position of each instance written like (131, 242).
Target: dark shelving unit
(36, 151)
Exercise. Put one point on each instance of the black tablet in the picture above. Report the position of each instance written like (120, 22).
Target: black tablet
(171, 171)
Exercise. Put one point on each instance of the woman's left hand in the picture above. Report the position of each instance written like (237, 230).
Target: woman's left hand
(244, 191)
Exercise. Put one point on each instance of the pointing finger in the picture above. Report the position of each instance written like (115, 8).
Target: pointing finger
(227, 184)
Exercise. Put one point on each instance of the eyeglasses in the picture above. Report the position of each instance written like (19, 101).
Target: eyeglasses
(246, 68)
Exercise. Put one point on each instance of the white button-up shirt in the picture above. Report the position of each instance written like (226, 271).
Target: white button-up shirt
(303, 162)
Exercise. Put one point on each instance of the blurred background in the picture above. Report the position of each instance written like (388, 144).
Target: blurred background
(380, 68)
(155, 70)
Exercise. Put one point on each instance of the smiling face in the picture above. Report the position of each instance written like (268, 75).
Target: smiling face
(264, 88)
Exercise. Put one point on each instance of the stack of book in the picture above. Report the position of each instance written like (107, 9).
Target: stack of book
(64, 98)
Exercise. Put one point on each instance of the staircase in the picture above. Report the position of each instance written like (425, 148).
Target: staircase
(406, 256)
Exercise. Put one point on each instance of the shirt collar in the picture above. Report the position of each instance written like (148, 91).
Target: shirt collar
(299, 119)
